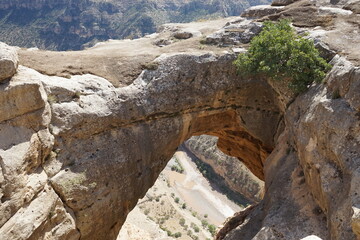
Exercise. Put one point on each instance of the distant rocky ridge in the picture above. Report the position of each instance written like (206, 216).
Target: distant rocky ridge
(236, 174)
(75, 24)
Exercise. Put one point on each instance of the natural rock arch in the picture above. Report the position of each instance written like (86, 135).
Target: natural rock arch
(112, 144)
(76, 154)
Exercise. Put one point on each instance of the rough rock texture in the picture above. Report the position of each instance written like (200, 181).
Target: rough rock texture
(282, 2)
(30, 209)
(319, 157)
(237, 32)
(236, 174)
(8, 61)
(78, 24)
(91, 164)
(261, 11)
(86, 151)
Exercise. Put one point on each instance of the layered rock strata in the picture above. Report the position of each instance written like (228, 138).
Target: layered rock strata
(236, 175)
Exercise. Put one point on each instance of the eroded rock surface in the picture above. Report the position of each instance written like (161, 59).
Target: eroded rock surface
(86, 151)
(236, 175)
(8, 61)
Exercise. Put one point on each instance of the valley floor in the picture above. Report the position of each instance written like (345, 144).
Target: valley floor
(179, 205)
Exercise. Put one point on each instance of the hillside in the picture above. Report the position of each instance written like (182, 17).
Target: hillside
(235, 174)
(75, 24)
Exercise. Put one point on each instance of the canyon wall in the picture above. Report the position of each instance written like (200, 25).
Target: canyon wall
(236, 175)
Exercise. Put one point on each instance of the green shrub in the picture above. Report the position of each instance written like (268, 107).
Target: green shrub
(177, 235)
(212, 229)
(196, 228)
(182, 221)
(281, 54)
(204, 223)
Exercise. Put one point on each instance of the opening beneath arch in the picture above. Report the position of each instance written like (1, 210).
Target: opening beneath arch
(198, 189)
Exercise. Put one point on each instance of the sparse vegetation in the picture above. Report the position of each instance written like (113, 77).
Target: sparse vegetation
(151, 65)
(147, 211)
(283, 55)
(209, 173)
(182, 221)
(52, 99)
(212, 229)
(204, 223)
(195, 227)
(177, 167)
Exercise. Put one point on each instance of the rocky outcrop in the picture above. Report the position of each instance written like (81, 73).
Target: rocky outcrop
(30, 209)
(87, 160)
(237, 176)
(8, 61)
(76, 153)
(318, 154)
(261, 11)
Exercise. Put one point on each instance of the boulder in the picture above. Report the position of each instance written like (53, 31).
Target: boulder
(234, 33)
(261, 11)
(282, 2)
(182, 35)
(8, 61)
(353, 6)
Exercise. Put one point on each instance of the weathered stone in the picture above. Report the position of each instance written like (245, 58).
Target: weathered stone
(282, 2)
(126, 118)
(325, 51)
(182, 35)
(353, 6)
(23, 94)
(235, 33)
(261, 11)
(100, 147)
(230, 168)
(8, 61)
(43, 218)
(162, 42)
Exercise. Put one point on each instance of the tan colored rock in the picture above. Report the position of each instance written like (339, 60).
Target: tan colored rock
(95, 167)
(355, 221)
(236, 174)
(100, 147)
(261, 11)
(282, 2)
(23, 94)
(8, 61)
(44, 218)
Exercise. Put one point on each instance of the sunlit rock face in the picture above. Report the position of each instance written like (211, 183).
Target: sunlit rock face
(77, 153)
(101, 147)
(235, 174)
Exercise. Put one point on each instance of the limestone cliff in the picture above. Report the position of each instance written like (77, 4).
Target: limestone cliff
(77, 150)
(236, 175)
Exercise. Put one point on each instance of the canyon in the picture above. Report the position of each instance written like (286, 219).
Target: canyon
(85, 134)
(78, 24)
